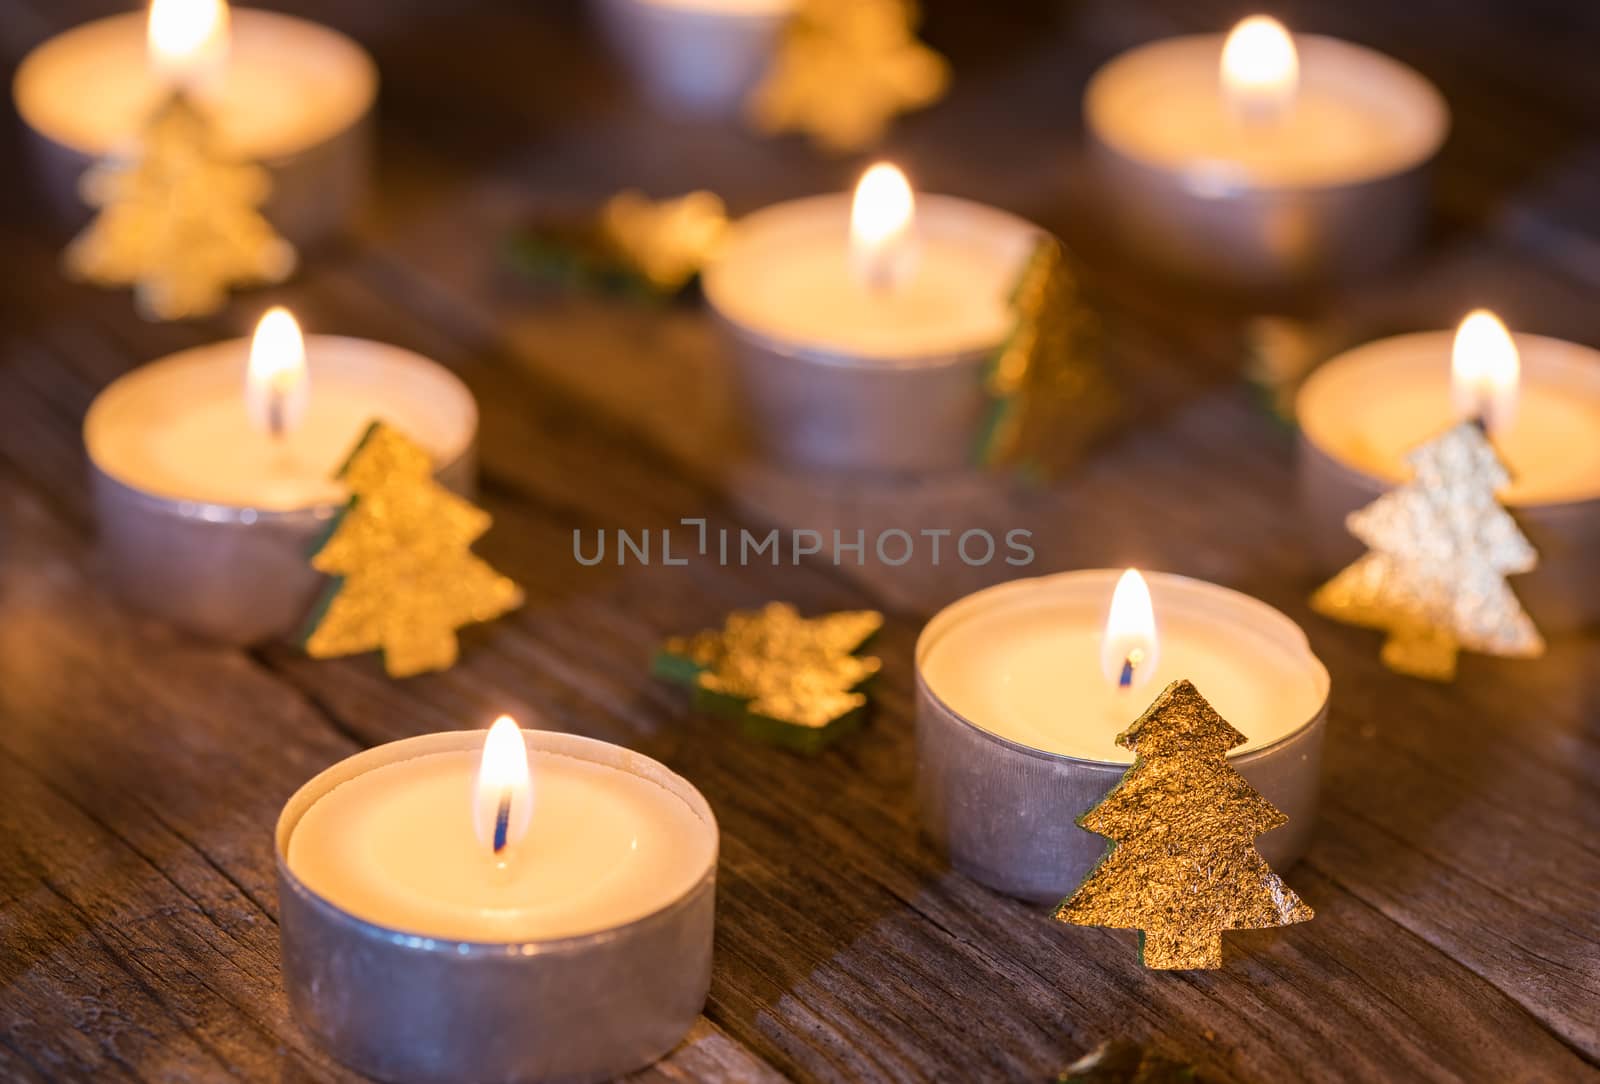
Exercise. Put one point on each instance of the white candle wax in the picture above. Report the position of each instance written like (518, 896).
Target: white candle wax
(785, 275)
(1371, 406)
(179, 428)
(395, 846)
(1358, 115)
(1023, 661)
(288, 85)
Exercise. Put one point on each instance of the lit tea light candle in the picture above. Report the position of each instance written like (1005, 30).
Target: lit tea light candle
(696, 57)
(285, 92)
(512, 906)
(1023, 688)
(1361, 413)
(861, 324)
(1261, 158)
(214, 468)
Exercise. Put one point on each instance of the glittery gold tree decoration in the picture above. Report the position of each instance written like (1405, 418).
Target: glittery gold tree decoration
(178, 221)
(406, 578)
(789, 680)
(843, 71)
(634, 246)
(1183, 866)
(1441, 547)
(667, 241)
(1051, 397)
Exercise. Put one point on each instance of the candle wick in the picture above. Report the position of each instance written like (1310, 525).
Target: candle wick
(276, 424)
(1480, 417)
(1125, 681)
(502, 823)
(880, 276)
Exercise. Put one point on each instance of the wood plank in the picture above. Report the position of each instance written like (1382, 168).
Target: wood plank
(600, 688)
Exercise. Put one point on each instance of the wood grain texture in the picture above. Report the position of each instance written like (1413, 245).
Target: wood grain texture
(1455, 872)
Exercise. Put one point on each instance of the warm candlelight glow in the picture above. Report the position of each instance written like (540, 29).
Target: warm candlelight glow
(276, 387)
(881, 219)
(502, 801)
(1129, 649)
(1260, 70)
(1485, 371)
(187, 41)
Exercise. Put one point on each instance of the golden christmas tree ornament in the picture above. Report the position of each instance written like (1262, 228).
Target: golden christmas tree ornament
(789, 680)
(843, 70)
(1183, 865)
(1440, 547)
(635, 246)
(178, 220)
(405, 576)
(1050, 395)
(666, 241)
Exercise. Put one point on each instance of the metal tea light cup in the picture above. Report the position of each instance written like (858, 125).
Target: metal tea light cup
(230, 574)
(809, 405)
(411, 1009)
(233, 573)
(1214, 224)
(815, 409)
(1559, 594)
(316, 190)
(694, 61)
(1005, 813)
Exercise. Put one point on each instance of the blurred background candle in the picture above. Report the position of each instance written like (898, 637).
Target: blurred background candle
(214, 468)
(511, 906)
(285, 92)
(1363, 411)
(695, 57)
(861, 324)
(1261, 160)
(1022, 689)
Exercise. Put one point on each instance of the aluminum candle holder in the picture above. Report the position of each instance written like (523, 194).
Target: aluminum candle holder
(812, 404)
(230, 572)
(1005, 813)
(834, 412)
(319, 181)
(418, 1010)
(696, 60)
(1559, 593)
(1205, 220)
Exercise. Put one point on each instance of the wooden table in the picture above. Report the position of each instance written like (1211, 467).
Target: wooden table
(1455, 873)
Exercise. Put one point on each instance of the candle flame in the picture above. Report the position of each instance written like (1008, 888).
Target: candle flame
(502, 800)
(276, 385)
(1485, 371)
(881, 218)
(1260, 71)
(187, 42)
(1129, 650)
